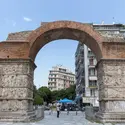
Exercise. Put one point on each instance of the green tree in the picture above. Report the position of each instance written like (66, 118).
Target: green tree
(70, 92)
(38, 100)
(54, 95)
(45, 93)
(64, 93)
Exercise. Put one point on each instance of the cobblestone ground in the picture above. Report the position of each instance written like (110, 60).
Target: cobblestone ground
(64, 119)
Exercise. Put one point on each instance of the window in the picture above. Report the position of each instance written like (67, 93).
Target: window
(91, 54)
(63, 70)
(92, 92)
(51, 79)
(93, 83)
(91, 61)
(92, 72)
(65, 77)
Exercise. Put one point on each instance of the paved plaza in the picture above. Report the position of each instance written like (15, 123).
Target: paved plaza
(64, 119)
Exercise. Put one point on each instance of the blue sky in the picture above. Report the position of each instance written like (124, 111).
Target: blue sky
(20, 15)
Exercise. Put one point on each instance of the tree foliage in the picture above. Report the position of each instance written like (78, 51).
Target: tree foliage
(38, 100)
(64, 93)
(44, 94)
(71, 92)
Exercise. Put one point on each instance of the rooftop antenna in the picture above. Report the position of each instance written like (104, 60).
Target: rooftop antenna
(113, 20)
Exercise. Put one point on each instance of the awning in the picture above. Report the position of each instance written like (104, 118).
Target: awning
(65, 101)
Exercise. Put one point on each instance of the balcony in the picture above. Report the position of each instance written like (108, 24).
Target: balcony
(93, 87)
(91, 66)
(52, 77)
(51, 81)
(93, 78)
(92, 100)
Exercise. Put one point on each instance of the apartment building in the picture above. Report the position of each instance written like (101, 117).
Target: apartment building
(60, 78)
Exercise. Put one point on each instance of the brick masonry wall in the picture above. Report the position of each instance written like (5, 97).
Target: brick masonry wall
(14, 49)
(19, 35)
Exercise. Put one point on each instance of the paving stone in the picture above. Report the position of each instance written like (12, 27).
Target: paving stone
(64, 119)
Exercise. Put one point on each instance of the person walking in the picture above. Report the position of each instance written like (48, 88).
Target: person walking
(50, 109)
(68, 108)
(58, 110)
(76, 109)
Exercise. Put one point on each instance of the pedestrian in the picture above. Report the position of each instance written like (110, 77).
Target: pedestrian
(50, 109)
(76, 110)
(58, 110)
(68, 108)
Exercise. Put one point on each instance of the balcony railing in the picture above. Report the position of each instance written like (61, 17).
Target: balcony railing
(91, 66)
(93, 87)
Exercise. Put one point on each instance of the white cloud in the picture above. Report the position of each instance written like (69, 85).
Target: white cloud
(27, 19)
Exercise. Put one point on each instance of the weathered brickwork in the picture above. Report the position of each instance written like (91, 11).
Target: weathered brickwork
(18, 36)
(28, 43)
(65, 30)
(14, 50)
(113, 50)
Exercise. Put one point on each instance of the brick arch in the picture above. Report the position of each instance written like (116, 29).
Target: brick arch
(65, 30)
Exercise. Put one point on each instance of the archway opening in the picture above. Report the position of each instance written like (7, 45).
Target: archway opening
(58, 52)
(83, 33)
(51, 51)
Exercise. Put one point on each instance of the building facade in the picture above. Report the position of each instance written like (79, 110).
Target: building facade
(85, 62)
(60, 78)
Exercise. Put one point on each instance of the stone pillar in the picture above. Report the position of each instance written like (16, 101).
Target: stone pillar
(111, 80)
(16, 90)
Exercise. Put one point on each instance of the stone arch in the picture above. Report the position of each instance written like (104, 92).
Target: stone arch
(17, 55)
(65, 30)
